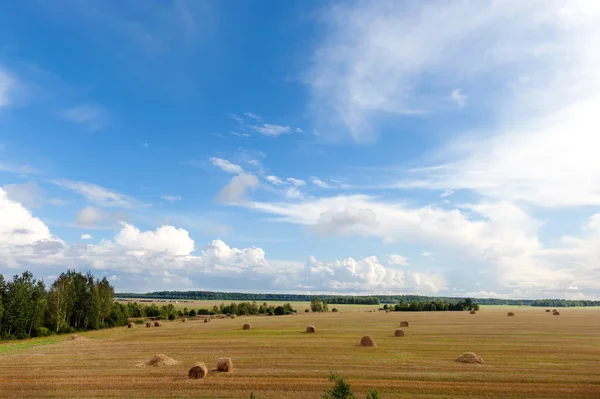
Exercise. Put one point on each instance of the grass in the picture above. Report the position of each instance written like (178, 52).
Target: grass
(531, 355)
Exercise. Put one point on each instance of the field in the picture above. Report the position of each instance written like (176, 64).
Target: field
(531, 355)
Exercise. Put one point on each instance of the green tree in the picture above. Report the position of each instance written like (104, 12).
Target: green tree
(324, 307)
(341, 389)
(106, 295)
(316, 305)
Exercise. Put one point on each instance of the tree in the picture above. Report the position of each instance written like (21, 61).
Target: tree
(325, 308)
(106, 295)
(316, 305)
(341, 389)
(468, 303)
(57, 303)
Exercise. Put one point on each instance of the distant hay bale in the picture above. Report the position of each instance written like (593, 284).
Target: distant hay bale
(554, 310)
(206, 320)
(160, 360)
(404, 324)
(157, 323)
(183, 320)
(548, 310)
(198, 371)
(311, 329)
(469, 357)
(367, 341)
(233, 316)
(224, 364)
(148, 324)
(399, 333)
(247, 326)
(510, 314)
(131, 324)
(556, 313)
(473, 312)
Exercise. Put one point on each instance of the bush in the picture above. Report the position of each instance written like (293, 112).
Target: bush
(192, 313)
(306, 310)
(341, 389)
(42, 332)
(334, 310)
(172, 316)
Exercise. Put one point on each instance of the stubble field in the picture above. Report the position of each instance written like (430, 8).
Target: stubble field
(531, 355)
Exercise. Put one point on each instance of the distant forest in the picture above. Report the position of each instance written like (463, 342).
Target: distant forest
(350, 299)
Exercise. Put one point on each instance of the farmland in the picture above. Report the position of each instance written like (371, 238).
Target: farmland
(531, 355)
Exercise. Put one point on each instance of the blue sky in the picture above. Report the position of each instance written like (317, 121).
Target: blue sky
(440, 148)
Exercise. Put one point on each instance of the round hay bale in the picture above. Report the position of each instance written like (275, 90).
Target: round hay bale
(206, 320)
(148, 324)
(131, 324)
(556, 313)
(157, 323)
(404, 324)
(399, 333)
(311, 329)
(161, 360)
(473, 312)
(233, 316)
(183, 320)
(547, 310)
(554, 310)
(247, 326)
(469, 357)
(224, 364)
(367, 341)
(198, 371)
(510, 314)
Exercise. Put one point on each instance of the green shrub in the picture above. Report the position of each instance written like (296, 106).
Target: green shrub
(42, 332)
(172, 316)
(341, 389)
(334, 310)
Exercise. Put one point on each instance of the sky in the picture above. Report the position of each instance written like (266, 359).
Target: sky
(446, 148)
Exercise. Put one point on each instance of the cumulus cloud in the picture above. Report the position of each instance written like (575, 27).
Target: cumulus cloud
(296, 182)
(236, 190)
(165, 238)
(398, 260)
(86, 237)
(320, 183)
(226, 166)
(274, 180)
(90, 216)
(28, 194)
(458, 98)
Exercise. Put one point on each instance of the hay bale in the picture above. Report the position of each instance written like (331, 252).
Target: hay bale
(148, 324)
(547, 310)
(404, 324)
(367, 341)
(472, 312)
(77, 338)
(157, 323)
(399, 333)
(510, 314)
(183, 320)
(206, 319)
(224, 364)
(247, 326)
(161, 360)
(469, 357)
(131, 324)
(556, 313)
(311, 329)
(198, 371)
(233, 316)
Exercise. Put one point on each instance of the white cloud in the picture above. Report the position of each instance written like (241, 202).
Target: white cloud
(99, 195)
(90, 216)
(274, 180)
(237, 188)
(7, 85)
(90, 115)
(86, 237)
(226, 166)
(171, 198)
(320, 183)
(459, 98)
(165, 238)
(271, 130)
(296, 182)
(252, 115)
(28, 194)
(398, 260)
(446, 193)
(426, 254)
(298, 130)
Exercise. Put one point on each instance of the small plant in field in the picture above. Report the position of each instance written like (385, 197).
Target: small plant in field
(373, 395)
(341, 389)
(252, 396)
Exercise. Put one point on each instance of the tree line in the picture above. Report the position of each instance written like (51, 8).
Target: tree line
(238, 296)
(350, 299)
(432, 306)
(73, 302)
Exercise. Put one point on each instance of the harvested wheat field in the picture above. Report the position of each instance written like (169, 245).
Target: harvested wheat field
(534, 355)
